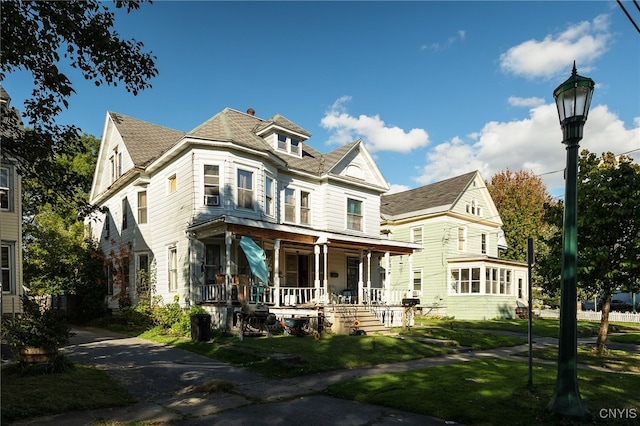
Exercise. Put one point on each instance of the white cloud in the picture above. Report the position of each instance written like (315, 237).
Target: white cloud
(533, 143)
(393, 188)
(583, 42)
(525, 102)
(460, 36)
(373, 130)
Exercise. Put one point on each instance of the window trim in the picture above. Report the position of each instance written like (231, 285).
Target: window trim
(9, 188)
(354, 215)
(269, 196)
(10, 267)
(142, 208)
(172, 269)
(413, 236)
(217, 201)
(125, 213)
(414, 292)
(244, 190)
(172, 183)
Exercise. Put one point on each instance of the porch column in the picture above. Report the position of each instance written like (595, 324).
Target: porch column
(276, 271)
(385, 285)
(360, 277)
(316, 272)
(410, 286)
(228, 240)
(325, 280)
(368, 298)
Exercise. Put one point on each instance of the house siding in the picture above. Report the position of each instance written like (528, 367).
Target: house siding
(11, 232)
(441, 253)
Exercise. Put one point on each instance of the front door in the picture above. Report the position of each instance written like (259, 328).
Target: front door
(297, 266)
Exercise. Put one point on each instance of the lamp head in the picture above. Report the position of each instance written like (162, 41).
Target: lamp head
(573, 98)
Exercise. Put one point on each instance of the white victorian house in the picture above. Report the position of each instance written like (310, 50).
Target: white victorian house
(177, 204)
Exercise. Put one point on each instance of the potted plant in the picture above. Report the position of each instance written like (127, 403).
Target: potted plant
(36, 334)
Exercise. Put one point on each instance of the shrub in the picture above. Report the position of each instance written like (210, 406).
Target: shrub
(36, 328)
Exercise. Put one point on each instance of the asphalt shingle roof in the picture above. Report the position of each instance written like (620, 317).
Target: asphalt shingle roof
(443, 193)
(144, 141)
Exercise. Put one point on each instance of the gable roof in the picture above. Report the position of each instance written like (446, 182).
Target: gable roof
(144, 141)
(438, 196)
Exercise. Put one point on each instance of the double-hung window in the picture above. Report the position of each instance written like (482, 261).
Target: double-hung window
(173, 268)
(462, 238)
(305, 208)
(268, 196)
(5, 189)
(7, 260)
(125, 213)
(289, 205)
(245, 189)
(416, 235)
(417, 282)
(211, 185)
(142, 207)
(354, 214)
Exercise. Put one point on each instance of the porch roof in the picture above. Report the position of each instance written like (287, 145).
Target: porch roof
(487, 259)
(297, 235)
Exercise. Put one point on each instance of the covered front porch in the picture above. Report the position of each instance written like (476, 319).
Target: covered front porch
(306, 268)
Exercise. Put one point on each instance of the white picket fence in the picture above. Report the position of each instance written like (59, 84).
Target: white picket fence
(592, 315)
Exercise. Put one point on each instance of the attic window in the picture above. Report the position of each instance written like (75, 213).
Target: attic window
(289, 145)
(473, 208)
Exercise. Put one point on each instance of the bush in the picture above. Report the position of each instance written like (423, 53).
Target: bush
(183, 326)
(36, 328)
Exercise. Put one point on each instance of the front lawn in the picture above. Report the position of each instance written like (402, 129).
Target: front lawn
(289, 356)
(83, 388)
(494, 392)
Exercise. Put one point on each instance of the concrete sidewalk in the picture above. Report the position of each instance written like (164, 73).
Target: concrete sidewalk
(162, 379)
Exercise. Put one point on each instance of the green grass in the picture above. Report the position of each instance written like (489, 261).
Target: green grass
(544, 327)
(614, 360)
(331, 352)
(491, 392)
(626, 338)
(473, 339)
(83, 388)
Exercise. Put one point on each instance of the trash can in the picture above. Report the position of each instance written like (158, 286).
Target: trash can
(201, 327)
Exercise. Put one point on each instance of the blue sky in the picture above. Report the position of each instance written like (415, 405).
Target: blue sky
(435, 89)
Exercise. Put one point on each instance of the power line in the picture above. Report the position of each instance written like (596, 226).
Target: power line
(628, 15)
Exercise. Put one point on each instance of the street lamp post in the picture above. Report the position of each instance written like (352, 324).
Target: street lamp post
(572, 99)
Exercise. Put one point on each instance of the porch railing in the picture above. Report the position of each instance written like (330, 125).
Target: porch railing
(294, 296)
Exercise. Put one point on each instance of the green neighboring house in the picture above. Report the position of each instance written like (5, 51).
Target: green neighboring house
(459, 271)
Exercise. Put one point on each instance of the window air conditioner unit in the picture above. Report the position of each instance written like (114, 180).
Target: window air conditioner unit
(212, 200)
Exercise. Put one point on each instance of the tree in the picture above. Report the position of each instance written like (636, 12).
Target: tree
(520, 198)
(608, 231)
(58, 257)
(36, 37)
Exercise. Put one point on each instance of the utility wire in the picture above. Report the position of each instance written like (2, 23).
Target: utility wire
(628, 15)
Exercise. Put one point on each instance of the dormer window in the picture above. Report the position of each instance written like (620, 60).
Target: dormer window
(289, 145)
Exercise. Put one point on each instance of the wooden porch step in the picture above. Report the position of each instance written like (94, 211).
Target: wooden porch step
(345, 315)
